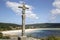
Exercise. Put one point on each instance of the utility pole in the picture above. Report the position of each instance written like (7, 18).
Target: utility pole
(23, 18)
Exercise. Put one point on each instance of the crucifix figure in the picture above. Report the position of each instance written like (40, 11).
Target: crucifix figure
(23, 18)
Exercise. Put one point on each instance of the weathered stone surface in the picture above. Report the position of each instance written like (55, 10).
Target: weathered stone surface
(13, 38)
(23, 38)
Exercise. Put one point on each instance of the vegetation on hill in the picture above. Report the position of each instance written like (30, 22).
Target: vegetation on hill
(10, 26)
(44, 25)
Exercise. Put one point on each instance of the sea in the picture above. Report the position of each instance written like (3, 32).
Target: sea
(37, 33)
(45, 33)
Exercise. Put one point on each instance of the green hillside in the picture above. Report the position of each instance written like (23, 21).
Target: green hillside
(44, 25)
(10, 26)
(7, 26)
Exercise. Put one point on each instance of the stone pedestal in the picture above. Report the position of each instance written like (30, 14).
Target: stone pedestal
(22, 38)
(13, 38)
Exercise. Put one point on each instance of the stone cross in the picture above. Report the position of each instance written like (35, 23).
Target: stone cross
(23, 18)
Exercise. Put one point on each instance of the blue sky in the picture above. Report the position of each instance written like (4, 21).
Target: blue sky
(41, 9)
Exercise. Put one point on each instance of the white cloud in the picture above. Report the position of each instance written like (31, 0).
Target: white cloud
(14, 7)
(56, 4)
(31, 15)
(56, 11)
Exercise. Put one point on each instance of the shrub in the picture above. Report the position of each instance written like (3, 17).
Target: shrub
(51, 38)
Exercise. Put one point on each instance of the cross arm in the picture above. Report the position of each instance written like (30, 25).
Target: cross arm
(20, 7)
(27, 8)
(23, 7)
